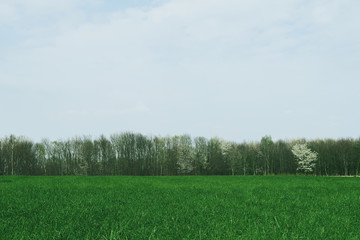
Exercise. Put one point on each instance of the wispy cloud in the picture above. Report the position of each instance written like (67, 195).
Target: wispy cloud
(138, 108)
(185, 59)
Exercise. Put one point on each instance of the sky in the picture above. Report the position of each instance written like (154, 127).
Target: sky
(233, 69)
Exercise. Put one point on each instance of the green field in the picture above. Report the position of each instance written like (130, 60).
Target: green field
(183, 207)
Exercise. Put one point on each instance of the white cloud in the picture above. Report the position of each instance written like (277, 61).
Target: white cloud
(185, 57)
(45, 7)
(104, 111)
(140, 108)
(8, 13)
(175, 37)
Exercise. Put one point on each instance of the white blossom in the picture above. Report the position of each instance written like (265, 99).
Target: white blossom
(305, 157)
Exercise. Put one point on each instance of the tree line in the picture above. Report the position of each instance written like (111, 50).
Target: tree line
(136, 154)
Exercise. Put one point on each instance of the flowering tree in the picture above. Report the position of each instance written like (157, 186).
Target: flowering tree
(305, 157)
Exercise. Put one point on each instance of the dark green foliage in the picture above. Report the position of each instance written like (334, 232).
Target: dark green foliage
(217, 163)
(183, 207)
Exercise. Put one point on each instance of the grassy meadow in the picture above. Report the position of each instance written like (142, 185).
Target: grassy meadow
(181, 207)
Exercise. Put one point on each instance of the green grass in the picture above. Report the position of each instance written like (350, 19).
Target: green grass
(187, 207)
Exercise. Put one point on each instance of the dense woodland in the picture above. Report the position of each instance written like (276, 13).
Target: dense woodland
(135, 154)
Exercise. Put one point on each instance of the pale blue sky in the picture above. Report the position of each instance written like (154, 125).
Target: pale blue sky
(236, 69)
